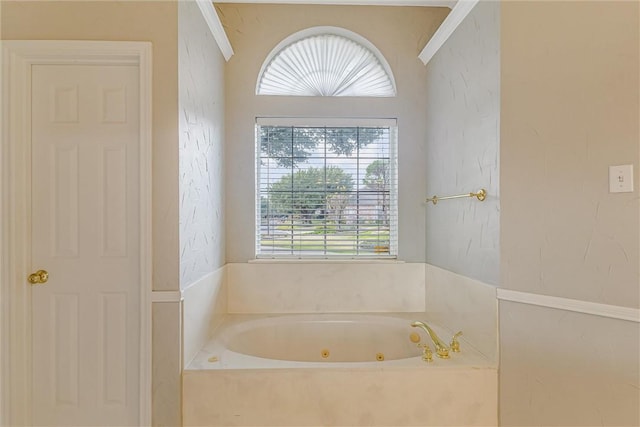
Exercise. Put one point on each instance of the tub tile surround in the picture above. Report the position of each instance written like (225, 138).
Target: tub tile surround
(205, 305)
(385, 397)
(435, 295)
(401, 393)
(458, 302)
(297, 287)
(430, 293)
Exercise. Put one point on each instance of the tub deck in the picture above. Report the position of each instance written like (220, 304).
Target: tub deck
(223, 388)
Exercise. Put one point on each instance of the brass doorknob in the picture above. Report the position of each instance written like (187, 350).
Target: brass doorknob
(39, 277)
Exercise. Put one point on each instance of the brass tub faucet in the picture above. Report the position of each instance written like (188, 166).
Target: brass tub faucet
(442, 351)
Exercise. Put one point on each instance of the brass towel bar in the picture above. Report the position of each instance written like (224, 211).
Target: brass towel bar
(480, 195)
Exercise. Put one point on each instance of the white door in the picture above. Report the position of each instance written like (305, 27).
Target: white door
(85, 233)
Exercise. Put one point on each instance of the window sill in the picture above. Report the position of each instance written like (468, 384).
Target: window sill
(324, 261)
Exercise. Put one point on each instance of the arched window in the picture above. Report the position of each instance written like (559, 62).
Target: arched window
(326, 61)
(326, 187)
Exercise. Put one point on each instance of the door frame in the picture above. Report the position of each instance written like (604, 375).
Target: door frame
(18, 57)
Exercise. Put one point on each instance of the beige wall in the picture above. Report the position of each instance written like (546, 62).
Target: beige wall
(560, 368)
(399, 33)
(569, 109)
(154, 21)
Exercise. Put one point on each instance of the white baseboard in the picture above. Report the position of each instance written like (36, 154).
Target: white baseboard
(166, 296)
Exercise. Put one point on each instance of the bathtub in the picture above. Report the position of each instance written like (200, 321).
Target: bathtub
(321, 341)
(334, 370)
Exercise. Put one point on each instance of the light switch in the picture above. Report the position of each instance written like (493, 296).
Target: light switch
(621, 179)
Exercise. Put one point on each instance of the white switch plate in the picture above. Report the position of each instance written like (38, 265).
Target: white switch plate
(621, 179)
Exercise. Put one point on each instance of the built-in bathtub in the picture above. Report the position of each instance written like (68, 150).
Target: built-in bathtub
(334, 370)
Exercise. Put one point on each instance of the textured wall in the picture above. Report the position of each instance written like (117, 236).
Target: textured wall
(201, 105)
(570, 84)
(398, 32)
(463, 140)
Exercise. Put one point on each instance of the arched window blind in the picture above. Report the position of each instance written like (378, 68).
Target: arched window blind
(326, 64)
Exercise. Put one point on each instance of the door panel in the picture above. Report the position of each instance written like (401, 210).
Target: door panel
(85, 232)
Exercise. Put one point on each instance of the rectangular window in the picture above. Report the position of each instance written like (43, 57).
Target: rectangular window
(326, 190)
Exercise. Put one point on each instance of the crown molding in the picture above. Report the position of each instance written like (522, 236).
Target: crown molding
(428, 3)
(448, 26)
(215, 26)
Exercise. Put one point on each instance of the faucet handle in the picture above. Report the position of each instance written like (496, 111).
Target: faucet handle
(427, 354)
(455, 344)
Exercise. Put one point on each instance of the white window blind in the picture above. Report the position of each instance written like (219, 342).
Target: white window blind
(326, 65)
(326, 191)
